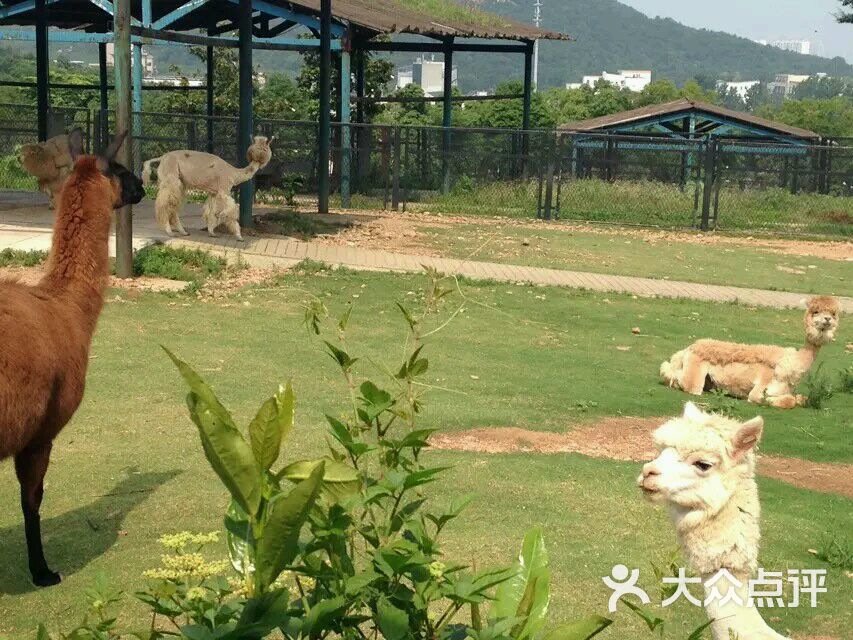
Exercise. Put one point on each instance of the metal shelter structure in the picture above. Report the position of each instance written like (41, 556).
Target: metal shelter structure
(349, 29)
(694, 120)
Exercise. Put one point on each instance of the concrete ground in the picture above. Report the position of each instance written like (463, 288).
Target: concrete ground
(26, 223)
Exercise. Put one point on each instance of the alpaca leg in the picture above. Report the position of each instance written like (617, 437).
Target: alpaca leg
(208, 214)
(693, 375)
(231, 215)
(788, 401)
(30, 466)
(167, 207)
(176, 221)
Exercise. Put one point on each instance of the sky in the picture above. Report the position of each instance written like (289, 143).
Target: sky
(762, 19)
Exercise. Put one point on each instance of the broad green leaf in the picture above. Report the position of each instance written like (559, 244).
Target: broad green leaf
(238, 537)
(229, 454)
(286, 514)
(271, 425)
(527, 594)
(320, 617)
(339, 481)
(42, 633)
(392, 622)
(201, 389)
(580, 630)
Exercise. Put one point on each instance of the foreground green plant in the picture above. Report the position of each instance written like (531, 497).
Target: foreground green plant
(347, 545)
(818, 388)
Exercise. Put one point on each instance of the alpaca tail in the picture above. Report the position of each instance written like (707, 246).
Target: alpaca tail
(147, 173)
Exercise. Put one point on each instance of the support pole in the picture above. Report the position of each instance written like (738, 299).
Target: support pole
(104, 106)
(325, 105)
(525, 112)
(42, 70)
(708, 188)
(121, 65)
(346, 134)
(246, 125)
(209, 86)
(362, 134)
(447, 116)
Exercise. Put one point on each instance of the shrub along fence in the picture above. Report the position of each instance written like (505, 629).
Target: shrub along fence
(727, 184)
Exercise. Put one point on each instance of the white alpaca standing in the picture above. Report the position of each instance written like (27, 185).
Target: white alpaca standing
(182, 170)
(705, 472)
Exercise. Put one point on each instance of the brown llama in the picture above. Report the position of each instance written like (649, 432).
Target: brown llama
(46, 330)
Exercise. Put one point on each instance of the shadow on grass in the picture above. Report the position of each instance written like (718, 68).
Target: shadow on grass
(75, 538)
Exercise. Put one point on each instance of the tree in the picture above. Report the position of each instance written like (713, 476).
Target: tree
(823, 87)
(831, 118)
(846, 12)
(658, 92)
(757, 96)
(731, 99)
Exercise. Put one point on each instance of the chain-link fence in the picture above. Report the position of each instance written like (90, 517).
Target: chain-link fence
(733, 185)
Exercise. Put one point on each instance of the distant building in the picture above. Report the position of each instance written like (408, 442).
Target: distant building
(148, 66)
(785, 83)
(177, 81)
(624, 79)
(427, 74)
(797, 46)
(742, 88)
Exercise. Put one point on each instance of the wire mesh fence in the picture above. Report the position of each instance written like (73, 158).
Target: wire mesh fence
(736, 185)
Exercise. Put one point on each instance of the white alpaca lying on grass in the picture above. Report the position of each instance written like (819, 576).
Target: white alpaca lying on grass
(179, 171)
(705, 472)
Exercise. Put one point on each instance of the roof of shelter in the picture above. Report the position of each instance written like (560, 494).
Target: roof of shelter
(684, 106)
(445, 18)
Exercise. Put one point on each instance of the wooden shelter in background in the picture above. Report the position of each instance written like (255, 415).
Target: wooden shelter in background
(349, 28)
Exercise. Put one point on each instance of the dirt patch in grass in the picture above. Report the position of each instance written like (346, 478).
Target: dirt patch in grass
(624, 438)
(400, 232)
(31, 276)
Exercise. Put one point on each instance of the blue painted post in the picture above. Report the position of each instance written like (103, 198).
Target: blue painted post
(346, 134)
(325, 105)
(246, 125)
(42, 70)
(209, 80)
(447, 115)
(104, 104)
(124, 220)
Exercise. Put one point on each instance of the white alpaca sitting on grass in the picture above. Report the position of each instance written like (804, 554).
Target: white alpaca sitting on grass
(705, 472)
(179, 171)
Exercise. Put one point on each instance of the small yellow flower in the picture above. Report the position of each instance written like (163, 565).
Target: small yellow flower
(436, 569)
(196, 593)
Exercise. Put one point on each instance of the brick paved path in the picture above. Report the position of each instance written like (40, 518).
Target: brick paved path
(287, 251)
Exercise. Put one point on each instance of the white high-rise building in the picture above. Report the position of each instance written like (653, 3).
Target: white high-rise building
(797, 46)
(428, 74)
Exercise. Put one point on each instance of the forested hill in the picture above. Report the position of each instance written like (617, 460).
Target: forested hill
(610, 36)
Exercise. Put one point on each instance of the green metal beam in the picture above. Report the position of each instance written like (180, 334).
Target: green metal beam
(124, 220)
(346, 137)
(246, 125)
(325, 105)
(42, 69)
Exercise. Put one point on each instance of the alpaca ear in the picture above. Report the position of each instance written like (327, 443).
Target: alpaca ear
(692, 412)
(115, 145)
(76, 144)
(747, 437)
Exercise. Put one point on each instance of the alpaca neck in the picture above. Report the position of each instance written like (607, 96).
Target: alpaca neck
(808, 353)
(78, 267)
(246, 173)
(735, 619)
(727, 539)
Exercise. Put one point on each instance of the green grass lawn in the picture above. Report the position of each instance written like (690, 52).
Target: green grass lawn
(630, 254)
(130, 467)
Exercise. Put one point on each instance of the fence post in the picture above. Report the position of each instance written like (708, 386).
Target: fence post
(395, 170)
(708, 187)
(191, 135)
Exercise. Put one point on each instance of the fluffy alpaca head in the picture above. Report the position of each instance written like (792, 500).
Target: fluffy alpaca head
(821, 320)
(259, 151)
(703, 459)
(124, 187)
